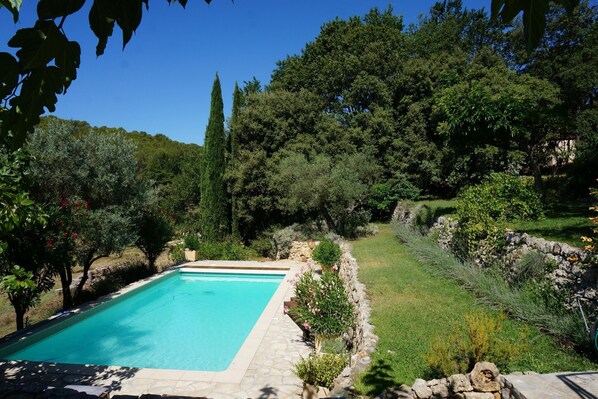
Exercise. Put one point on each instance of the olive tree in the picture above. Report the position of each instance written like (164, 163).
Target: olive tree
(95, 172)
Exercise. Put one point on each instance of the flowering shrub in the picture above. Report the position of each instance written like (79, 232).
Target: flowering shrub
(322, 304)
(327, 253)
(592, 242)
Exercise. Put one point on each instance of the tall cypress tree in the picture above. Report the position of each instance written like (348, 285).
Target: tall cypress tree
(213, 196)
(234, 149)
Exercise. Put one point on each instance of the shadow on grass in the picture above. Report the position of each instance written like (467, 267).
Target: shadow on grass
(379, 378)
(443, 211)
(570, 234)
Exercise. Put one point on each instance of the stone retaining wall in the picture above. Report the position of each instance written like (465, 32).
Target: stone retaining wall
(362, 336)
(484, 382)
(570, 274)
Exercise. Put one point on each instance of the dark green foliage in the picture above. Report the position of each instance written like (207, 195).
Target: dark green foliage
(335, 190)
(223, 250)
(213, 205)
(327, 253)
(323, 304)
(154, 232)
(233, 156)
(534, 15)
(18, 209)
(263, 246)
(385, 196)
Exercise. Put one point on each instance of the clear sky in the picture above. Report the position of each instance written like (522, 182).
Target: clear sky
(161, 82)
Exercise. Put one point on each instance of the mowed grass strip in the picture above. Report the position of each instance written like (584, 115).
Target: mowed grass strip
(410, 307)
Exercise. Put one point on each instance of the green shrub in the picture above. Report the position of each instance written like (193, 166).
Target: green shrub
(263, 247)
(480, 339)
(592, 241)
(349, 225)
(327, 253)
(483, 209)
(191, 241)
(323, 305)
(226, 250)
(320, 370)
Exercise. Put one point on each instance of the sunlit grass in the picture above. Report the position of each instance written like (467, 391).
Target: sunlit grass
(410, 306)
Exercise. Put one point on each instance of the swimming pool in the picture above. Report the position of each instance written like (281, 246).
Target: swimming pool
(183, 321)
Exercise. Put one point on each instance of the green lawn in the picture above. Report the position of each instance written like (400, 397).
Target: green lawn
(564, 222)
(409, 307)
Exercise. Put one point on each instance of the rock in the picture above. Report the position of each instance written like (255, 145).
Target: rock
(459, 383)
(421, 389)
(484, 377)
(441, 390)
(479, 395)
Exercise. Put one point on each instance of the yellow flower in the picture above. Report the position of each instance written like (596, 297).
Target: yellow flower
(572, 259)
(585, 239)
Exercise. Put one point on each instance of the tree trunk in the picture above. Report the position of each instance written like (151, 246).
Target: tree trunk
(66, 278)
(20, 315)
(86, 266)
(328, 219)
(538, 183)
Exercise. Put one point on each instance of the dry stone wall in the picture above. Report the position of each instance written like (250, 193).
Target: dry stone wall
(571, 273)
(301, 250)
(362, 335)
(484, 382)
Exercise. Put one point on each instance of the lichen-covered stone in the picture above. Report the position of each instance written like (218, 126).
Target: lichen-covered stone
(485, 377)
(421, 389)
(459, 383)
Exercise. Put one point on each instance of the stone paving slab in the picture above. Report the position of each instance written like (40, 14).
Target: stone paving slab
(569, 385)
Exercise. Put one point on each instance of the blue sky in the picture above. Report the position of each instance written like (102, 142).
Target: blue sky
(161, 82)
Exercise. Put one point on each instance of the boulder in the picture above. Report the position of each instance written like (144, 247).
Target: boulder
(485, 377)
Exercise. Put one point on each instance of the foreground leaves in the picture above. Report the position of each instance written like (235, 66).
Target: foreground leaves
(46, 61)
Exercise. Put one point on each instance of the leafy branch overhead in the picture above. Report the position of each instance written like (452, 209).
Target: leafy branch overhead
(46, 61)
(534, 15)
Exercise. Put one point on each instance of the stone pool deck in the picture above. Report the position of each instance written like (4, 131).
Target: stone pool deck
(269, 374)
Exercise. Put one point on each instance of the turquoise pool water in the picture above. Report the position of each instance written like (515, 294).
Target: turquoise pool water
(183, 321)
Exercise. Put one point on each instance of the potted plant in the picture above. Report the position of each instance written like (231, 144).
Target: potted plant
(318, 371)
(191, 242)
